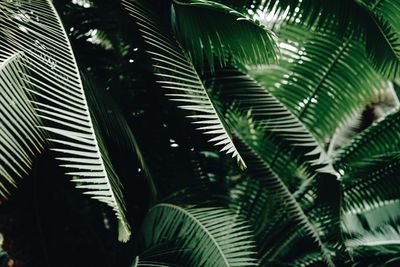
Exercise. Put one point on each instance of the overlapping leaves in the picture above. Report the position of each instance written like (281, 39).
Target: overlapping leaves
(323, 79)
(34, 29)
(177, 75)
(203, 236)
(208, 29)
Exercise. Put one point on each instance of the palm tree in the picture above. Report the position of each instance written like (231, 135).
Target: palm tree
(275, 85)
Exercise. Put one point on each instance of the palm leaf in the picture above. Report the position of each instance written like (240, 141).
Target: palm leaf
(278, 149)
(291, 208)
(323, 79)
(318, 14)
(292, 150)
(207, 29)
(387, 235)
(20, 138)
(118, 135)
(383, 35)
(375, 242)
(176, 74)
(381, 138)
(209, 236)
(34, 29)
(376, 20)
(372, 183)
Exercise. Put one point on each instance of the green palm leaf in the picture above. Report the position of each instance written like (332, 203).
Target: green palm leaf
(20, 138)
(379, 139)
(176, 74)
(291, 210)
(292, 151)
(372, 183)
(207, 236)
(209, 29)
(373, 236)
(114, 128)
(34, 29)
(383, 35)
(387, 235)
(278, 150)
(376, 20)
(323, 79)
(317, 14)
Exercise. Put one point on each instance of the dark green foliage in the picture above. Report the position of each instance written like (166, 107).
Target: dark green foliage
(323, 79)
(216, 37)
(272, 84)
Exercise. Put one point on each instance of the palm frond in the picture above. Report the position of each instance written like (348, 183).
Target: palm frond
(177, 75)
(372, 183)
(379, 139)
(113, 126)
(20, 138)
(34, 29)
(290, 148)
(278, 149)
(210, 236)
(291, 210)
(322, 78)
(376, 247)
(356, 224)
(315, 14)
(376, 20)
(383, 36)
(387, 235)
(207, 29)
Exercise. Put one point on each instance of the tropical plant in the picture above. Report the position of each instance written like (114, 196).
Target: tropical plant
(272, 84)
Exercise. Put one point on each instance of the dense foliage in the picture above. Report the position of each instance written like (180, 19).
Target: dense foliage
(216, 133)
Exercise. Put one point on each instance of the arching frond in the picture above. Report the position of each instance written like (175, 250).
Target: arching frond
(176, 74)
(113, 126)
(209, 29)
(291, 149)
(32, 27)
(322, 78)
(383, 35)
(377, 20)
(20, 138)
(207, 236)
(381, 138)
(317, 14)
(387, 235)
(372, 183)
(290, 210)
(377, 246)
(278, 150)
